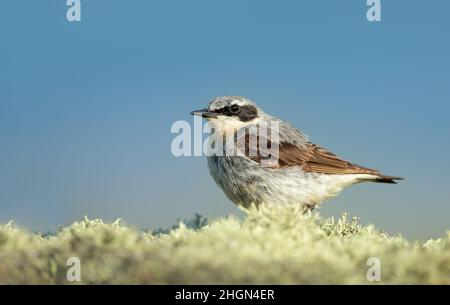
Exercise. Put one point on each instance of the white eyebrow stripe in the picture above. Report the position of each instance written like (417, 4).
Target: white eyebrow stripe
(239, 103)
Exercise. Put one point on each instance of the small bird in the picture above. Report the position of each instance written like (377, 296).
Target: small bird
(303, 173)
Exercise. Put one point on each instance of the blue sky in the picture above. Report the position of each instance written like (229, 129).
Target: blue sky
(86, 108)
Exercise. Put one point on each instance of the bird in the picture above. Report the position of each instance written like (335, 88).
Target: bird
(303, 173)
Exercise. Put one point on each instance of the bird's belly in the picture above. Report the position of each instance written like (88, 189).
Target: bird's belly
(245, 182)
(241, 182)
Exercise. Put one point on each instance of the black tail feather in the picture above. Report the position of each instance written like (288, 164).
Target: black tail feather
(387, 179)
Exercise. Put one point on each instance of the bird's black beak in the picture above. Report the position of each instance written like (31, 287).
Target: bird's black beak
(205, 113)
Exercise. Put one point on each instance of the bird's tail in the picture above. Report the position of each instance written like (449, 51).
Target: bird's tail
(386, 179)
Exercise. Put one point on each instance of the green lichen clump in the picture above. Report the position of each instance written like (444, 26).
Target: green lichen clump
(276, 245)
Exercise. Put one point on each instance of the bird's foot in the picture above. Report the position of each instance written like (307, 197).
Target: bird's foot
(309, 208)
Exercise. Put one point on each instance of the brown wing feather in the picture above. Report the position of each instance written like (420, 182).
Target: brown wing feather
(310, 157)
(313, 158)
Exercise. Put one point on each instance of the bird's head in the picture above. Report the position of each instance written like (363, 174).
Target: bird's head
(230, 113)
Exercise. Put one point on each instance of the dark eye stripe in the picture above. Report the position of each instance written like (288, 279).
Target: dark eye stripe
(235, 109)
(246, 113)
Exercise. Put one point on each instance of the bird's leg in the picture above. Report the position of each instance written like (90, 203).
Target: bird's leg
(309, 208)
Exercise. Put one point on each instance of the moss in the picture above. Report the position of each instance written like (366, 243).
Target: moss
(271, 245)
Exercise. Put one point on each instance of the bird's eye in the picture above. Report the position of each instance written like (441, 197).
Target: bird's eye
(235, 109)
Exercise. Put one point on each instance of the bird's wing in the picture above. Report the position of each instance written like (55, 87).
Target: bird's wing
(292, 148)
(315, 159)
(310, 157)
